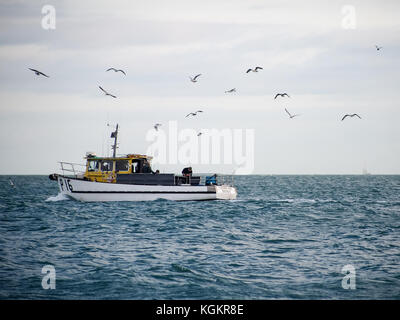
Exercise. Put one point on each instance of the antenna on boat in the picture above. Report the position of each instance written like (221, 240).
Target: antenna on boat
(115, 136)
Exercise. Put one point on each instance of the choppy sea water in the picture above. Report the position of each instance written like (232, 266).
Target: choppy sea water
(286, 237)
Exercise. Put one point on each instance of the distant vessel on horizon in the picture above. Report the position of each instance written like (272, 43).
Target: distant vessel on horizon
(365, 172)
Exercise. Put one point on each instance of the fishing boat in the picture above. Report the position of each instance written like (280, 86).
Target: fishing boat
(131, 178)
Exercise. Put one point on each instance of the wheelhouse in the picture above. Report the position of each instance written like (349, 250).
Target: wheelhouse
(107, 169)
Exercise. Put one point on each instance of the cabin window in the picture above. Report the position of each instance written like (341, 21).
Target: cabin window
(122, 165)
(107, 165)
(146, 167)
(93, 165)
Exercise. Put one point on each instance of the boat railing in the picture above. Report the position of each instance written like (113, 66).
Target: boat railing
(207, 179)
(75, 168)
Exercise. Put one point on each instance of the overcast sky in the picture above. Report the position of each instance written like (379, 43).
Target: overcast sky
(307, 49)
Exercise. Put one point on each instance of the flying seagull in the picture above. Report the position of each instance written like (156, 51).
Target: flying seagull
(230, 91)
(254, 70)
(281, 94)
(117, 70)
(193, 113)
(157, 125)
(194, 79)
(107, 94)
(351, 115)
(290, 115)
(38, 73)
(378, 48)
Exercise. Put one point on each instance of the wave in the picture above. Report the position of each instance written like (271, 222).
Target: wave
(59, 197)
(299, 200)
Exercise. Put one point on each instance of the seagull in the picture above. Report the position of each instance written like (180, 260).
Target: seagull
(193, 113)
(254, 70)
(38, 73)
(290, 115)
(230, 91)
(117, 70)
(195, 78)
(157, 125)
(378, 48)
(351, 115)
(11, 183)
(107, 94)
(281, 94)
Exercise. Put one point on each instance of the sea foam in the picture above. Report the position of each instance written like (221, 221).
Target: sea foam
(59, 197)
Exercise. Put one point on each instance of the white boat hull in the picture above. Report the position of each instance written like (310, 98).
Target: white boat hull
(83, 190)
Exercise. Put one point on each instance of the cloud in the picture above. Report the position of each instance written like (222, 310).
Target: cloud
(301, 45)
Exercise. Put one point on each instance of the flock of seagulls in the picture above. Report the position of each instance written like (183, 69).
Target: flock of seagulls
(295, 115)
(291, 116)
(157, 125)
(194, 80)
(40, 73)
(115, 70)
(256, 69)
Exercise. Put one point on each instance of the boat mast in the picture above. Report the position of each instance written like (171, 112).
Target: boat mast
(115, 136)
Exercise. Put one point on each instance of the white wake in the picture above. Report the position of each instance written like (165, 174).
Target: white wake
(59, 197)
